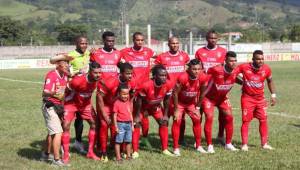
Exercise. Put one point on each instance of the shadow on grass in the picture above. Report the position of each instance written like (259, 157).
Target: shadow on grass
(298, 126)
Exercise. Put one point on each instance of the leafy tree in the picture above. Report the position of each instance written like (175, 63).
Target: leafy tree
(295, 33)
(68, 32)
(12, 31)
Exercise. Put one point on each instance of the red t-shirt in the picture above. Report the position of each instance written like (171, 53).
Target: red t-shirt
(153, 94)
(55, 83)
(107, 60)
(140, 60)
(175, 64)
(81, 90)
(220, 83)
(190, 88)
(211, 57)
(253, 84)
(123, 110)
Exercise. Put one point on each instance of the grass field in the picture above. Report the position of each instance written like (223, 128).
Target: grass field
(23, 131)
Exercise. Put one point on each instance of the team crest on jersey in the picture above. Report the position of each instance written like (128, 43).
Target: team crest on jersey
(220, 76)
(263, 73)
(167, 58)
(101, 56)
(48, 81)
(145, 52)
(116, 57)
(204, 54)
(219, 54)
(248, 71)
(180, 58)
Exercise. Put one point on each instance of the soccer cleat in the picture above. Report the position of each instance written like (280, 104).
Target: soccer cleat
(230, 147)
(201, 150)
(104, 158)
(123, 155)
(93, 156)
(244, 147)
(135, 155)
(221, 140)
(267, 147)
(45, 157)
(79, 147)
(210, 149)
(177, 152)
(167, 153)
(59, 163)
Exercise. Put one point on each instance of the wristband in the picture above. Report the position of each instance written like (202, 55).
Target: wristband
(198, 108)
(273, 95)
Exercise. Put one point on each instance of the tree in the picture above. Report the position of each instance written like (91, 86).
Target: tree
(68, 32)
(12, 32)
(295, 33)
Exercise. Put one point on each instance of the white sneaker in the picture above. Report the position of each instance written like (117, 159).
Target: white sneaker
(59, 163)
(267, 147)
(230, 147)
(210, 149)
(135, 155)
(177, 152)
(244, 147)
(201, 150)
(79, 147)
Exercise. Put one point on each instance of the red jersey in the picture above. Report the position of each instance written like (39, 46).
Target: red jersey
(220, 82)
(175, 64)
(211, 57)
(55, 83)
(153, 94)
(110, 89)
(123, 110)
(81, 90)
(253, 79)
(190, 88)
(107, 60)
(140, 60)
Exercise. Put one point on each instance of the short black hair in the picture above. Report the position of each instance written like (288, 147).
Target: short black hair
(260, 52)
(77, 38)
(230, 54)
(94, 65)
(156, 69)
(107, 34)
(211, 32)
(194, 62)
(122, 86)
(136, 33)
(124, 66)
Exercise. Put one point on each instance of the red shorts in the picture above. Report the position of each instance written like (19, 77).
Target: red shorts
(108, 110)
(208, 105)
(86, 112)
(156, 112)
(190, 109)
(251, 107)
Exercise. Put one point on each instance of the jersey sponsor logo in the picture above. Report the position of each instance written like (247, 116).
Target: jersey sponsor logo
(175, 69)
(175, 63)
(155, 101)
(254, 84)
(139, 63)
(208, 65)
(254, 78)
(222, 87)
(109, 68)
(189, 93)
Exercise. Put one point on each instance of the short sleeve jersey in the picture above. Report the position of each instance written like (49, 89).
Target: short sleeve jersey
(55, 83)
(80, 62)
(190, 88)
(140, 60)
(81, 90)
(107, 60)
(253, 79)
(210, 57)
(123, 110)
(175, 64)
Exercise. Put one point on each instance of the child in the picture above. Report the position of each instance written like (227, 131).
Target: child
(123, 121)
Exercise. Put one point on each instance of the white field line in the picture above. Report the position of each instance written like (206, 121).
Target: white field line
(282, 114)
(21, 81)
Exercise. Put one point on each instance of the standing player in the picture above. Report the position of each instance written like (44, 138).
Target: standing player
(106, 96)
(187, 89)
(78, 99)
(212, 55)
(221, 81)
(108, 57)
(150, 96)
(53, 94)
(253, 101)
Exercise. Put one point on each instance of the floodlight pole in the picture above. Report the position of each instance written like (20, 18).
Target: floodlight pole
(149, 35)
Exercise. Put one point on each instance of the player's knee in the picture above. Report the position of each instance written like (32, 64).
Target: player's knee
(162, 122)
(138, 125)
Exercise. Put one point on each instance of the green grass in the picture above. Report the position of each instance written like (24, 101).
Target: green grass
(23, 131)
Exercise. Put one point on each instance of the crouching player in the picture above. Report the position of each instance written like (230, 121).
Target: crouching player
(53, 94)
(222, 80)
(78, 99)
(190, 85)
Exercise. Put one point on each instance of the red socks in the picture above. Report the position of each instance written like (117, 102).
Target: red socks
(208, 128)
(135, 139)
(163, 134)
(65, 141)
(228, 127)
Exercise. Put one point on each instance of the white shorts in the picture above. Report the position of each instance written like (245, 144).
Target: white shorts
(52, 120)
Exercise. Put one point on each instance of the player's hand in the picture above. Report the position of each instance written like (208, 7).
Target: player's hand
(92, 50)
(273, 101)
(197, 112)
(176, 114)
(117, 129)
(132, 127)
(107, 119)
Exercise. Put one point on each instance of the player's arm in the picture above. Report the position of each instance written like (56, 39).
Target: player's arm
(100, 106)
(175, 97)
(166, 104)
(239, 80)
(137, 104)
(271, 87)
(115, 121)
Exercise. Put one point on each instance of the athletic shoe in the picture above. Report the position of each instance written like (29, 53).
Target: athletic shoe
(221, 140)
(267, 147)
(244, 147)
(93, 156)
(177, 152)
(201, 150)
(45, 157)
(210, 149)
(167, 153)
(145, 142)
(135, 155)
(104, 158)
(230, 147)
(59, 163)
(79, 147)
(124, 155)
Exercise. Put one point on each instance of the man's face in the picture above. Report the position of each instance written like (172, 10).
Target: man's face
(258, 60)
(231, 62)
(63, 66)
(95, 74)
(82, 44)
(161, 77)
(173, 44)
(127, 74)
(212, 39)
(194, 70)
(138, 41)
(124, 94)
(109, 42)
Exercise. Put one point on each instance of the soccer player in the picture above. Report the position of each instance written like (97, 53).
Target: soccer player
(149, 98)
(174, 60)
(189, 87)
(53, 94)
(106, 96)
(212, 55)
(222, 80)
(253, 100)
(78, 99)
(108, 57)
(79, 65)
